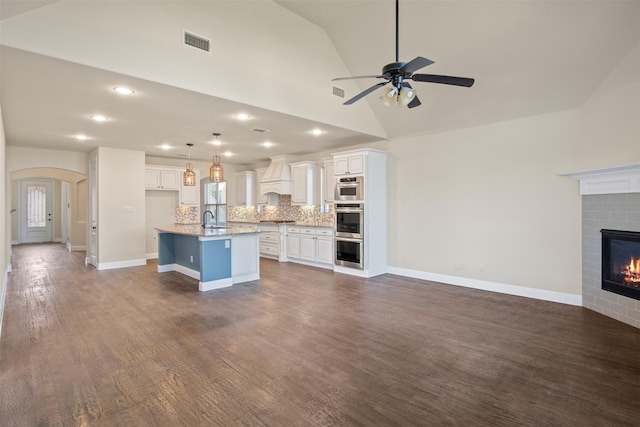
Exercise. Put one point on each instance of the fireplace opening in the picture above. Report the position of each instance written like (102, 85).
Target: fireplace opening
(621, 262)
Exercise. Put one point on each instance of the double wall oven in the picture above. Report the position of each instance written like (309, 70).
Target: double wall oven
(349, 235)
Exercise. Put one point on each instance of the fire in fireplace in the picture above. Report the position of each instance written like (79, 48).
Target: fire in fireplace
(621, 262)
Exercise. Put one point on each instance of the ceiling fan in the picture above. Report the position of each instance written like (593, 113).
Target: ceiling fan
(397, 73)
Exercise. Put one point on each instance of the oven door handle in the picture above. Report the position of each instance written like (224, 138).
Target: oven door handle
(348, 239)
(345, 210)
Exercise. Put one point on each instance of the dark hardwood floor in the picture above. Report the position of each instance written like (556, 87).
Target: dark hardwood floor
(302, 347)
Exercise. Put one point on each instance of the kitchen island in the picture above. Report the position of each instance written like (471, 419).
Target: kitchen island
(216, 257)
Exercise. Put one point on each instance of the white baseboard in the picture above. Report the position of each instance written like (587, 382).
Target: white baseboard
(3, 293)
(194, 274)
(355, 271)
(245, 278)
(58, 240)
(215, 284)
(78, 248)
(121, 264)
(153, 255)
(502, 288)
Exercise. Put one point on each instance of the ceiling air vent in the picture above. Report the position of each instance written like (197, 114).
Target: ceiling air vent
(260, 130)
(198, 42)
(338, 91)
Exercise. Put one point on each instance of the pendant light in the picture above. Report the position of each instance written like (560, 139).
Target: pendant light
(216, 174)
(189, 176)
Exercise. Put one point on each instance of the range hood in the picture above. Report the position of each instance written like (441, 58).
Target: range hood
(277, 177)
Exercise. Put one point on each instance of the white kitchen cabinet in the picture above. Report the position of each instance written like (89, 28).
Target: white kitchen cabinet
(329, 184)
(245, 188)
(264, 199)
(190, 194)
(157, 178)
(324, 246)
(310, 245)
(349, 164)
(270, 241)
(305, 179)
(293, 242)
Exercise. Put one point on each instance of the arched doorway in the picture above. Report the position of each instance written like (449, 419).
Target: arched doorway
(70, 214)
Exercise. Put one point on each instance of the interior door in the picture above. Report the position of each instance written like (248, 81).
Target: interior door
(93, 214)
(37, 221)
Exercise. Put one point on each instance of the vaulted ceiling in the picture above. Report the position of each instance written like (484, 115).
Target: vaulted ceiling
(275, 61)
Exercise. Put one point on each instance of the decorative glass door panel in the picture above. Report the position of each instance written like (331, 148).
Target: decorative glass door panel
(36, 211)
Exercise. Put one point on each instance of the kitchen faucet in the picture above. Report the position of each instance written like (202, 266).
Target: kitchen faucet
(204, 218)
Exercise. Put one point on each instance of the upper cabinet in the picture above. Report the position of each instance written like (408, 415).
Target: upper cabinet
(328, 187)
(348, 164)
(169, 178)
(159, 178)
(304, 176)
(245, 188)
(190, 194)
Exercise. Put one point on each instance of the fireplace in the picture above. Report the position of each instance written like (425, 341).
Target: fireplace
(621, 262)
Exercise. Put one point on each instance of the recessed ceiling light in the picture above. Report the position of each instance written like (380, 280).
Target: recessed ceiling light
(99, 118)
(317, 132)
(228, 153)
(216, 141)
(81, 137)
(165, 147)
(242, 116)
(124, 90)
(268, 144)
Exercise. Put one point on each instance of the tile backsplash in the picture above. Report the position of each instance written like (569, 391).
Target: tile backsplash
(187, 215)
(310, 214)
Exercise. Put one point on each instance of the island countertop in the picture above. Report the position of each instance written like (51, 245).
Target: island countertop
(199, 231)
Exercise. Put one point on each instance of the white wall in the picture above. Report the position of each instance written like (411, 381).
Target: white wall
(160, 209)
(5, 223)
(25, 158)
(121, 207)
(610, 127)
(489, 196)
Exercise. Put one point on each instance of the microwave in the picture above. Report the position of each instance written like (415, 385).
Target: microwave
(349, 188)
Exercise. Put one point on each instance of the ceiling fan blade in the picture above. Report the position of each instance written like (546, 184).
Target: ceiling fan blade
(447, 80)
(415, 64)
(415, 101)
(357, 77)
(365, 93)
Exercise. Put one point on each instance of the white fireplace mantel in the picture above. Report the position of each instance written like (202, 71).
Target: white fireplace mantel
(609, 180)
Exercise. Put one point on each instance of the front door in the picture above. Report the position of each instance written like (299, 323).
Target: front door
(37, 221)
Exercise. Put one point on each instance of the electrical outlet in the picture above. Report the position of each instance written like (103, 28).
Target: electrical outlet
(227, 244)
(482, 267)
(191, 258)
(458, 265)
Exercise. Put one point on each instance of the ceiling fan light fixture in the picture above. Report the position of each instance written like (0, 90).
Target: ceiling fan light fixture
(405, 96)
(389, 95)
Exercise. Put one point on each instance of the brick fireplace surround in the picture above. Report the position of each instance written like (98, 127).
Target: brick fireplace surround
(610, 200)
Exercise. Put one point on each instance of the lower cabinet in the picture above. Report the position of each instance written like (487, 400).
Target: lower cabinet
(310, 245)
(270, 242)
(293, 242)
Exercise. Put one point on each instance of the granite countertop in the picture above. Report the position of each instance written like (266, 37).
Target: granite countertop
(198, 230)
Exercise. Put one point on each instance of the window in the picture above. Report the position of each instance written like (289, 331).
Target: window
(215, 201)
(36, 206)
